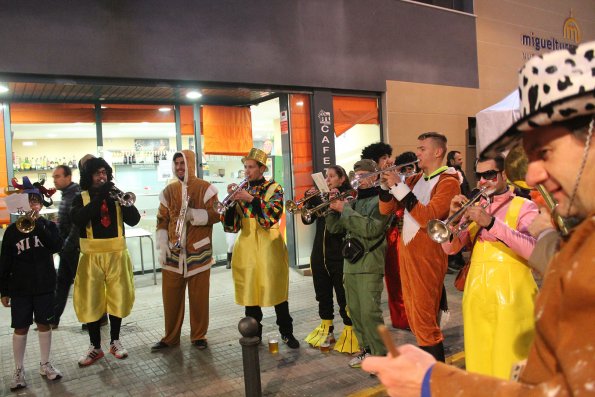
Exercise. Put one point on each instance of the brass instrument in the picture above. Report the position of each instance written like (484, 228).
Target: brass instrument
(125, 199)
(296, 206)
(322, 209)
(356, 181)
(515, 165)
(222, 206)
(440, 231)
(180, 224)
(26, 222)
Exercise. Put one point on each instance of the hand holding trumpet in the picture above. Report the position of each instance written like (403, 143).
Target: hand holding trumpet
(474, 213)
(337, 204)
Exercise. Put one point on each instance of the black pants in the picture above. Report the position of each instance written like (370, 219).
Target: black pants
(284, 320)
(66, 272)
(327, 278)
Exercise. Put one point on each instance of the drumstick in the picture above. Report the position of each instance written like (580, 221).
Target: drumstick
(388, 342)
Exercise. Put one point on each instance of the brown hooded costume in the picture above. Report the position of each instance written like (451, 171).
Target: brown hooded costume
(191, 262)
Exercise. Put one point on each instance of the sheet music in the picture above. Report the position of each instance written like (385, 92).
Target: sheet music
(320, 182)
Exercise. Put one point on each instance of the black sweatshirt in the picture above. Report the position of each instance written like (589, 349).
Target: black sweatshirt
(26, 261)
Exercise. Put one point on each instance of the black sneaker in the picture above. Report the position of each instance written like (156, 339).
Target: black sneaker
(290, 341)
(200, 344)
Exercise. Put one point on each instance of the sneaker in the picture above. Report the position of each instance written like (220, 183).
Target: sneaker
(18, 379)
(49, 371)
(290, 341)
(356, 362)
(159, 346)
(90, 356)
(118, 350)
(201, 344)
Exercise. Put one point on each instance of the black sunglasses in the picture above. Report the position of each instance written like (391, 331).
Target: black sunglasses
(490, 175)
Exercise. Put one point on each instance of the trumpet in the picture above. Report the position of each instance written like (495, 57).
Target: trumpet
(357, 180)
(440, 231)
(296, 206)
(222, 206)
(322, 209)
(180, 224)
(515, 165)
(125, 199)
(26, 222)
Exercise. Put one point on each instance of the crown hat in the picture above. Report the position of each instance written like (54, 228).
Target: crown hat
(256, 155)
(554, 87)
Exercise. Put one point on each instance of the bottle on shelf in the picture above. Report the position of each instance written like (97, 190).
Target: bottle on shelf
(133, 158)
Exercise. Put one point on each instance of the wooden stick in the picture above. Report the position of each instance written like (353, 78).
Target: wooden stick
(388, 342)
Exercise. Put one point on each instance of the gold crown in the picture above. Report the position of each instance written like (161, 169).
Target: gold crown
(256, 155)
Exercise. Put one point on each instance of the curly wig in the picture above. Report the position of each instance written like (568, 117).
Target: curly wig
(91, 166)
(376, 150)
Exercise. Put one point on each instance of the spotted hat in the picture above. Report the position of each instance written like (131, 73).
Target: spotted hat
(554, 87)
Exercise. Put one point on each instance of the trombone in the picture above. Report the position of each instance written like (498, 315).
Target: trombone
(322, 209)
(357, 180)
(26, 222)
(125, 199)
(222, 206)
(440, 231)
(296, 206)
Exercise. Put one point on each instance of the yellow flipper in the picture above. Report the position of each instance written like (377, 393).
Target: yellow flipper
(347, 342)
(320, 333)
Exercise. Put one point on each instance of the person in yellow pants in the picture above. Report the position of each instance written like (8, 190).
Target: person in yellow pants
(500, 289)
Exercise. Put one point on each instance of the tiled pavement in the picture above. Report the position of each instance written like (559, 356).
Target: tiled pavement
(187, 371)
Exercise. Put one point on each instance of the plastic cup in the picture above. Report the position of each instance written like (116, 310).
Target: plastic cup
(273, 339)
(325, 347)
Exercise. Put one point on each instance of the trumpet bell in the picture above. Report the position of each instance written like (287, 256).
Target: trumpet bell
(219, 207)
(291, 206)
(438, 231)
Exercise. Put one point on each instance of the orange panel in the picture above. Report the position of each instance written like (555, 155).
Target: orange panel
(349, 111)
(301, 143)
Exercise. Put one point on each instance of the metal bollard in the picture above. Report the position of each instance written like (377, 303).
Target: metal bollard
(248, 327)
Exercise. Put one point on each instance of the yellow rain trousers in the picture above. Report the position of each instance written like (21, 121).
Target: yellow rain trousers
(498, 305)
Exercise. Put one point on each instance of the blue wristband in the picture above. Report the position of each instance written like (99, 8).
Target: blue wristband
(426, 391)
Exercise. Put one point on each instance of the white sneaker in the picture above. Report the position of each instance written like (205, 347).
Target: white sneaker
(443, 318)
(118, 350)
(49, 371)
(90, 356)
(356, 362)
(18, 379)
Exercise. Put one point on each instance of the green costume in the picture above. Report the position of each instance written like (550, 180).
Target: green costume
(364, 279)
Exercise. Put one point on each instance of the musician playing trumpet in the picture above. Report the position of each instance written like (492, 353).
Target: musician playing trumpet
(185, 222)
(423, 263)
(260, 263)
(363, 277)
(326, 262)
(500, 289)
(104, 280)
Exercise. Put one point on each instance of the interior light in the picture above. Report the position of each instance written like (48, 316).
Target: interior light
(103, 107)
(193, 95)
(52, 135)
(300, 103)
(29, 143)
(165, 109)
(3, 88)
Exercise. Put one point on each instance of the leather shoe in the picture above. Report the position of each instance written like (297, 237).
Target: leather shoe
(290, 341)
(159, 346)
(201, 344)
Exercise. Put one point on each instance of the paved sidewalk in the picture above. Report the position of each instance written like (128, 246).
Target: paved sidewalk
(187, 371)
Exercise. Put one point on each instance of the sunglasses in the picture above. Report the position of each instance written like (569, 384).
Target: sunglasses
(490, 175)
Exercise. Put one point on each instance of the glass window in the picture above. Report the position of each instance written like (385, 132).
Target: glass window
(222, 170)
